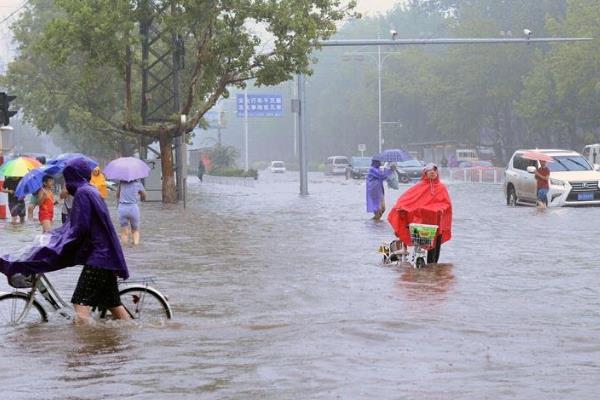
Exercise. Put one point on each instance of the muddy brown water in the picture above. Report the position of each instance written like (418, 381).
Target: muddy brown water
(284, 297)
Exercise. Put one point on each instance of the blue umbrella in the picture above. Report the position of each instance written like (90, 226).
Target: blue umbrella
(393, 155)
(64, 157)
(32, 181)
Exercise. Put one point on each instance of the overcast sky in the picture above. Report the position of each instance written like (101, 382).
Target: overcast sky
(364, 6)
(375, 6)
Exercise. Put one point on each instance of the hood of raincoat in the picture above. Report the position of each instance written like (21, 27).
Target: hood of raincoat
(77, 173)
(427, 202)
(87, 238)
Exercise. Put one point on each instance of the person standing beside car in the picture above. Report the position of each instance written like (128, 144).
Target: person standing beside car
(542, 177)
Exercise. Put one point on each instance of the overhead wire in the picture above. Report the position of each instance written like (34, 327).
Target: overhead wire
(14, 12)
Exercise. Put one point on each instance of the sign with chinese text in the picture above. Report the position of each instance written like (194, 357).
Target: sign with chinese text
(261, 105)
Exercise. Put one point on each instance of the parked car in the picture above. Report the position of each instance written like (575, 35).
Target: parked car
(277, 167)
(410, 170)
(358, 167)
(336, 165)
(573, 181)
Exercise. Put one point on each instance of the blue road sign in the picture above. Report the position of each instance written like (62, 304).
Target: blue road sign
(261, 105)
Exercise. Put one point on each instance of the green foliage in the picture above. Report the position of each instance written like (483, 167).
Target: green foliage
(222, 157)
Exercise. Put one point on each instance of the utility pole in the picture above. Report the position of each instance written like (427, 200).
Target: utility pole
(162, 59)
(302, 135)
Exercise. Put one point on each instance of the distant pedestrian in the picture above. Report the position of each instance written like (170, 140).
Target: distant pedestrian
(129, 212)
(67, 204)
(375, 191)
(16, 205)
(542, 177)
(46, 203)
(444, 162)
(201, 169)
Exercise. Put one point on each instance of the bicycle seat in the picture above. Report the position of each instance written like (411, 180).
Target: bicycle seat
(20, 281)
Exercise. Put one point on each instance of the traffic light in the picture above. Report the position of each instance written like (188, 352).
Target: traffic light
(5, 113)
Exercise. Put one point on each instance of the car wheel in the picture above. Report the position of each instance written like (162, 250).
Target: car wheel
(511, 197)
(404, 178)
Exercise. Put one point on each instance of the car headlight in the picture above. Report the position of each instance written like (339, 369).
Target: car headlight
(557, 182)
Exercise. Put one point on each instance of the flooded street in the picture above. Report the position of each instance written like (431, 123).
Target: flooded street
(284, 297)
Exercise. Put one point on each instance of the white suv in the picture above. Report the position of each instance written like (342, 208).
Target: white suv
(573, 181)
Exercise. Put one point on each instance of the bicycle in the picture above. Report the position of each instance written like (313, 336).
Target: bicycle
(423, 240)
(141, 301)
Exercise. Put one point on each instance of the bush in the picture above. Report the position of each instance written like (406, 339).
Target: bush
(236, 172)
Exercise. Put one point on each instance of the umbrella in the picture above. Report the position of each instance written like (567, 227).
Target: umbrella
(393, 155)
(32, 181)
(126, 169)
(537, 156)
(62, 159)
(19, 166)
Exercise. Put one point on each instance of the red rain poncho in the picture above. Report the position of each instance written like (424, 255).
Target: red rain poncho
(427, 202)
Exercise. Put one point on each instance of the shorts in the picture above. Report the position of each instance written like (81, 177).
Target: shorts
(17, 209)
(97, 287)
(542, 195)
(129, 214)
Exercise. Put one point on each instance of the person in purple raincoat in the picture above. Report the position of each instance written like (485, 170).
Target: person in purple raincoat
(88, 238)
(375, 193)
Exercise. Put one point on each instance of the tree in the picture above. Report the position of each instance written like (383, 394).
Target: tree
(226, 43)
(562, 95)
(58, 100)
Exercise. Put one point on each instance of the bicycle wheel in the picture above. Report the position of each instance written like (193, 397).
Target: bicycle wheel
(145, 304)
(15, 310)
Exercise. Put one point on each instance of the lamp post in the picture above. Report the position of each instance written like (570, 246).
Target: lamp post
(380, 60)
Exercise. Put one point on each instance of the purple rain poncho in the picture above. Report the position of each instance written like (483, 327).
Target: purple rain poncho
(87, 238)
(375, 179)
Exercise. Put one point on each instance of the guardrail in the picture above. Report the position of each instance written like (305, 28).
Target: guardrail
(492, 176)
(228, 180)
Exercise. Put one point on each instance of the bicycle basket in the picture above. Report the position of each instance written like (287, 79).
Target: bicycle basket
(20, 281)
(422, 235)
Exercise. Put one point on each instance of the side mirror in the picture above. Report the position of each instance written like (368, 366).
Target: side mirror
(596, 167)
(531, 169)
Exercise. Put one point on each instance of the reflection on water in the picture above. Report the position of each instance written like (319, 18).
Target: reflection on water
(430, 283)
(92, 347)
(284, 297)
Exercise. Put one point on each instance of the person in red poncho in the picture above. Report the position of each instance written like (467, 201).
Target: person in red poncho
(427, 202)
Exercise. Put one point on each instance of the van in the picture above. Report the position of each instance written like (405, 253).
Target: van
(277, 167)
(592, 153)
(466, 155)
(336, 165)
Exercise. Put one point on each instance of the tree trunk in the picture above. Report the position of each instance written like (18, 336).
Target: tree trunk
(169, 192)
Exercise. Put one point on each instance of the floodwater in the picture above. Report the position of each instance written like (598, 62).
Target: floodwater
(280, 296)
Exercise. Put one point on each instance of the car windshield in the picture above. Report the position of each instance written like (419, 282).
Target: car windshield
(569, 163)
(361, 162)
(277, 165)
(410, 163)
(340, 161)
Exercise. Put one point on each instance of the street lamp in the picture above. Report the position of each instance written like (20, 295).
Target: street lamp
(380, 61)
